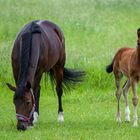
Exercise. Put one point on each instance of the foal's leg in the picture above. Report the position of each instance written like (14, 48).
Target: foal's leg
(135, 101)
(118, 95)
(125, 94)
(58, 73)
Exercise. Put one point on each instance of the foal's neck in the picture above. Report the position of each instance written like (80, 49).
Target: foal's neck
(138, 54)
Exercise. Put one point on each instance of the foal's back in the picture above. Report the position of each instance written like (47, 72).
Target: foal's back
(124, 59)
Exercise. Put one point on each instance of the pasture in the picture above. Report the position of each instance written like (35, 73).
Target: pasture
(94, 30)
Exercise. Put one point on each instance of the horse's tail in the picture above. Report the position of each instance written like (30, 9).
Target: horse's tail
(26, 38)
(72, 77)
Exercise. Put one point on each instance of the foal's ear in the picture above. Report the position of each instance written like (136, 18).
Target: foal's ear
(138, 32)
(28, 85)
(11, 87)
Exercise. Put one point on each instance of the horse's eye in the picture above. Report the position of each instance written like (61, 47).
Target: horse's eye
(28, 103)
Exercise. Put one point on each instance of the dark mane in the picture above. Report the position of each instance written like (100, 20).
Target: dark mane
(26, 41)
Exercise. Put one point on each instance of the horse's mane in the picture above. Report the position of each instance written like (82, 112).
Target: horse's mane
(25, 53)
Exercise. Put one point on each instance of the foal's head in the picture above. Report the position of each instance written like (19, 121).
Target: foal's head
(24, 105)
(138, 41)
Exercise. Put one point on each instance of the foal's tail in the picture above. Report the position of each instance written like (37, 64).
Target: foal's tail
(109, 68)
(72, 77)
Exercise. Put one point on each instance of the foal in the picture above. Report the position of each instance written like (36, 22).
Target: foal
(127, 62)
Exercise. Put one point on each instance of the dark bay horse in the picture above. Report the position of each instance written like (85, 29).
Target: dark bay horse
(127, 62)
(39, 48)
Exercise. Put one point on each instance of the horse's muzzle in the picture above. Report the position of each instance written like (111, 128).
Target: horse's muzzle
(22, 126)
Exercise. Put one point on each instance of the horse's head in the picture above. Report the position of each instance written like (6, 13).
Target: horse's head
(138, 34)
(24, 105)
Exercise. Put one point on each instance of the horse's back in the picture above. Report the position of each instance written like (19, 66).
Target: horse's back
(53, 42)
(51, 48)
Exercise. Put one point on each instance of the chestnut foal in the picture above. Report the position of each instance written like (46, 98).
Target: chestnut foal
(127, 62)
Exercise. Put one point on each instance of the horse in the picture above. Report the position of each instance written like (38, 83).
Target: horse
(127, 62)
(39, 48)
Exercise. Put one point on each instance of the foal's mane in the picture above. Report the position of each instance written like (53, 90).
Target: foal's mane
(25, 53)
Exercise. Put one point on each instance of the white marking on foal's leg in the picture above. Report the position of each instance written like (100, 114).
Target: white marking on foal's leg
(135, 117)
(35, 117)
(118, 96)
(127, 114)
(60, 117)
(118, 117)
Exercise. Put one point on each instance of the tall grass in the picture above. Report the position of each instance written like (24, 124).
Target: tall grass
(94, 30)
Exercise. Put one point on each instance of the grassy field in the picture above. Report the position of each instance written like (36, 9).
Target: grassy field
(94, 30)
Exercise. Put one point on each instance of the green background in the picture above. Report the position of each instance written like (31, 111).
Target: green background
(94, 30)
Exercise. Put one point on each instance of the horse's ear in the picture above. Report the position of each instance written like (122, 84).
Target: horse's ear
(28, 85)
(11, 87)
(138, 32)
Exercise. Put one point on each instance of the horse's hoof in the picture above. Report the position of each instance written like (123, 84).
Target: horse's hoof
(35, 117)
(30, 127)
(60, 117)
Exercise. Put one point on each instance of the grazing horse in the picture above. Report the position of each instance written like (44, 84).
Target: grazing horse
(127, 62)
(39, 48)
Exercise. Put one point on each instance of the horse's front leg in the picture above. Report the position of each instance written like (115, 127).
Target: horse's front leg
(37, 88)
(37, 96)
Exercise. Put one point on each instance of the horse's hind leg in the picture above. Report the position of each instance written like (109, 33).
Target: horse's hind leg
(118, 76)
(58, 74)
(125, 94)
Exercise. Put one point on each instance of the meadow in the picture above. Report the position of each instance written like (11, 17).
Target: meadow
(94, 30)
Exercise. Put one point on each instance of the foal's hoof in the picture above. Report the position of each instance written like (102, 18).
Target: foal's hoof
(135, 124)
(127, 119)
(118, 120)
(60, 117)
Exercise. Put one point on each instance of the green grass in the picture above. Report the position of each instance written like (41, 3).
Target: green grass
(94, 30)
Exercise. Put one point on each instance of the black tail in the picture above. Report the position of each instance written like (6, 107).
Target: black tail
(70, 78)
(109, 68)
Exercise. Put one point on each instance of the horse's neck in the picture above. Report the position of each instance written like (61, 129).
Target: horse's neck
(31, 75)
